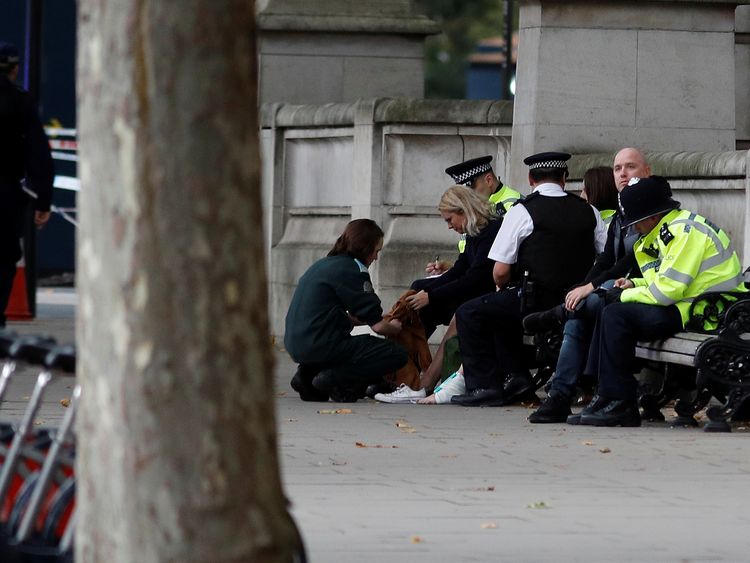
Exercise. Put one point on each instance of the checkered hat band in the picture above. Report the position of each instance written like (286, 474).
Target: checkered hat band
(471, 172)
(549, 164)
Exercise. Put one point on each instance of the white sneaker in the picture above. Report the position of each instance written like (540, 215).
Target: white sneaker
(454, 384)
(404, 394)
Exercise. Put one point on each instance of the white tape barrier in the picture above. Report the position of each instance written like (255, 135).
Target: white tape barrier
(63, 182)
(64, 212)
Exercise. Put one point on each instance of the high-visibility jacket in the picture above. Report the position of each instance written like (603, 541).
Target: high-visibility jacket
(607, 215)
(501, 200)
(683, 256)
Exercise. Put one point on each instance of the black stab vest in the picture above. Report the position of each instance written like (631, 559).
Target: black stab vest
(561, 250)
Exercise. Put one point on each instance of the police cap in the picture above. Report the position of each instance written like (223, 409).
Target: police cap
(645, 197)
(466, 171)
(547, 161)
(8, 55)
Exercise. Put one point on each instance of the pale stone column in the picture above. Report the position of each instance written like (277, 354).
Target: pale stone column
(742, 65)
(593, 76)
(322, 51)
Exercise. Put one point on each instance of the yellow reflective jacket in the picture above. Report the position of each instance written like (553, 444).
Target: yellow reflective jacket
(504, 198)
(683, 256)
(607, 215)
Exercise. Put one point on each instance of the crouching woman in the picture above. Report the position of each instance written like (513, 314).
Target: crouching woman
(333, 296)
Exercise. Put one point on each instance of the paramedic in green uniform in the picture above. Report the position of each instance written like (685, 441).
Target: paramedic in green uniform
(334, 295)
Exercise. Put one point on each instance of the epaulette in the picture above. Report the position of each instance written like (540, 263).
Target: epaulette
(665, 234)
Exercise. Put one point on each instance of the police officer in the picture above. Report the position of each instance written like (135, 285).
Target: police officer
(549, 239)
(478, 175)
(680, 255)
(24, 153)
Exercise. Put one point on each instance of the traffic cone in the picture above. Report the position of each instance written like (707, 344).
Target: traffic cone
(18, 304)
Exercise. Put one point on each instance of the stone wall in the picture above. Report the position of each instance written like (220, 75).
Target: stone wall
(597, 75)
(385, 159)
(742, 66)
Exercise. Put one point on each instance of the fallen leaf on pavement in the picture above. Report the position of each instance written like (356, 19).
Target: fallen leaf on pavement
(416, 539)
(405, 426)
(587, 443)
(363, 445)
(488, 525)
(65, 402)
(335, 411)
(605, 450)
(281, 394)
(539, 504)
(291, 419)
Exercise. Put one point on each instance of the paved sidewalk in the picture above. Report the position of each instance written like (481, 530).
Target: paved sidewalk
(483, 485)
(454, 484)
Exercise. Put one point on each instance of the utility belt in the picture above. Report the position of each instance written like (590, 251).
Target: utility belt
(535, 295)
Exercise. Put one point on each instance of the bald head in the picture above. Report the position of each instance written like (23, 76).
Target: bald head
(629, 163)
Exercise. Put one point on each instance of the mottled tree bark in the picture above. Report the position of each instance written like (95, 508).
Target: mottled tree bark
(177, 457)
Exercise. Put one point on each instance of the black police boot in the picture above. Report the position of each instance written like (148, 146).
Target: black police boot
(555, 408)
(544, 321)
(339, 393)
(618, 412)
(480, 398)
(596, 403)
(302, 383)
(379, 387)
(516, 386)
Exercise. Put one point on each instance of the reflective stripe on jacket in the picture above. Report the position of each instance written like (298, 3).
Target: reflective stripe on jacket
(683, 256)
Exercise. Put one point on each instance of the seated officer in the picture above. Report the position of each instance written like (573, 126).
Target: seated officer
(549, 239)
(477, 174)
(680, 255)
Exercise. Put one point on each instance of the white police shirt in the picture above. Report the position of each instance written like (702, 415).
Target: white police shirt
(517, 226)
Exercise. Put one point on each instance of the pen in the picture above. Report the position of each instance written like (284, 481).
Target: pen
(437, 258)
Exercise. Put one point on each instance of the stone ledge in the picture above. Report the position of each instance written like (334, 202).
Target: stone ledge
(389, 110)
(729, 164)
(414, 25)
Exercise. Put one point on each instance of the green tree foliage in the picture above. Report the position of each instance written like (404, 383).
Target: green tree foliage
(464, 23)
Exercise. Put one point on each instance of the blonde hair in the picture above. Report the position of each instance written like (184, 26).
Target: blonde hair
(467, 202)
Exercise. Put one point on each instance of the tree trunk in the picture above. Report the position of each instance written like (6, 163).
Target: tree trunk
(177, 456)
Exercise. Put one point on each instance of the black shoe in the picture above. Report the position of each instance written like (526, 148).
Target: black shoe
(516, 386)
(544, 321)
(324, 382)
(379, 387)
(480, 398)
(618, 412)
(596, 403)
(304, 387)
(555, 408)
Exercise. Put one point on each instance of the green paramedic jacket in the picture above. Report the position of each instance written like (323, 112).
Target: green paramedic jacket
(317, 320)
(680, 258)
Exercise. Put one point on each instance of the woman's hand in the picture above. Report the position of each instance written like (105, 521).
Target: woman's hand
(429, 400)
(437, 268)
(576, 295)
(418, 301)
(624, 283)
